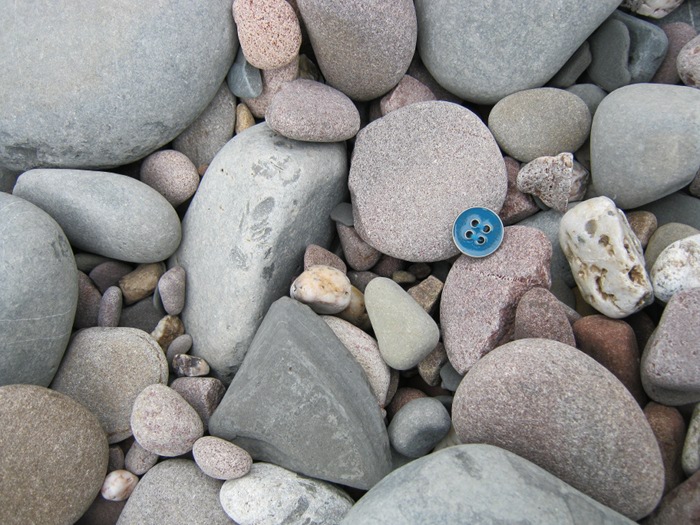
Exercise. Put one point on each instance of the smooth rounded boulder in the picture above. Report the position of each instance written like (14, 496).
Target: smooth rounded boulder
(38, 293)
(105, 213)
(537, 398)
(103, 113)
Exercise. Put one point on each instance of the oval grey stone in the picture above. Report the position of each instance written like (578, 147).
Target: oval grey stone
(105, 369)
(418, 426)
(553, 395)
(104, 114)
(105, 213)
(414, 170)
(38, 293)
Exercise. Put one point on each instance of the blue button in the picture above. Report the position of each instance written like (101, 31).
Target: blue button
(478, 232)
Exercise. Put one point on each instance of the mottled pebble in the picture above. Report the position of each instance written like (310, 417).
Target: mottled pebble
(141, 282)
(172, 174)
(651, 8)
(139, 460)
(549, 179)
(118, 485)
(643, 224)
(203, 393)
(186, 365)
(663, 237)
(221, 459)
(418, 426)
(541, 315)
(429, 367)
(168, 329)
(171, 287)
(110, 307)
(324, 288)
(677, 268)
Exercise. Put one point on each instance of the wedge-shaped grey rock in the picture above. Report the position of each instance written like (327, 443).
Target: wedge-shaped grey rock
(38, 293)
(105, 213)
(262, 201)
(302, 402)
(477, 484)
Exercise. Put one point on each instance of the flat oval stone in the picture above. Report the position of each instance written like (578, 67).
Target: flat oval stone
(362, 50)
(58, 460)
(105, 213)
(171, 287)
(121, 113)
(437, 156)
(105, 369)
(540, 122)
(418, 427)
(677, 268)
(221, 459)
(175, 492)
(163, 422)
(38, 293)
(513, 55)
(606, 258)
(270, 495)
(553, 395)
(311, 111)
(645, 143)
(487, 483)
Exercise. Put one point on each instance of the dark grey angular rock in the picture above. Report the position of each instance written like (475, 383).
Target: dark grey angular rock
(244, 80)
(175, 492)
(105, 213)
(648, 45)
(262, 201)
(485, 51)
(476, 484)
(103, 113)
(319, 416)
(38, 293)
(645, 143)
(610, 48)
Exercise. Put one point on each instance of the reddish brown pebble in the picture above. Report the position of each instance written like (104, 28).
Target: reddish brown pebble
(407, 91)
(427, 293)
(680, 506)
(387, 265)
(108, 274)
(679, 34)
(540, 314)
(89, 298)
(140, 283)
(315, 255)
(613, 344)
(203, 393)
(643, 224)
(359, 255)
(429, 368)
(518, 205)
(669, 428)
(402, 396)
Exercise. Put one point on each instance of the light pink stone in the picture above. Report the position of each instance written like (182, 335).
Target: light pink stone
(407, 91)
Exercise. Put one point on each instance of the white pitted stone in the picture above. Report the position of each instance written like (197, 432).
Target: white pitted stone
(121, 79)
(105, 213)
(677, 268)
(118, 485)
(270, 495)
(38, 293)
(324, 288)
(548, 178)
(272, 197)
(606, 258)
(405, 333)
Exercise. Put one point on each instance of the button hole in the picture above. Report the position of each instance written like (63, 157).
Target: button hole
(481, 240)
(487, 228)
(475, 223)
(469, 234)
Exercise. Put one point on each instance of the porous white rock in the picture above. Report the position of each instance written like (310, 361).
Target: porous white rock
(652, 8)
(606, 258)
(549, 178)
(324, 288)
(677, 268)
(118, 485)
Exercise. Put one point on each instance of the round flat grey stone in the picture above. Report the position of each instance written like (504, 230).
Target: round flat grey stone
(418, 426)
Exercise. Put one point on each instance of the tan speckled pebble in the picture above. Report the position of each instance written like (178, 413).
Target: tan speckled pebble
(324, 288)
(221, 459)
(141, 282)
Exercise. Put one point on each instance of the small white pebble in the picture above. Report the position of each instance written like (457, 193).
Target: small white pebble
(324, 288)
(118, 485)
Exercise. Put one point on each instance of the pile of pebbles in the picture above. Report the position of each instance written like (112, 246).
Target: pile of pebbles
(230, 290)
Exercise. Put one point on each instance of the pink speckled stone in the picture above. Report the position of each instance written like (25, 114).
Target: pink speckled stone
(273, 80)
(518, 205)
(480, 296)
(359, 255)
(540, 314)
(401, 397)
(315, 255)
(688, 63)
(407, 91)
(268, 31)
(171, 174)
(679, 34)
(310, 111)
(221, 459)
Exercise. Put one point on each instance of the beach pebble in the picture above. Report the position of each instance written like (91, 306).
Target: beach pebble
(677, 268)
(387, 265)
(273, 80)
(480, 297)
(651, 8)
(573, 69)
(139, 460)
(110, 307)
(613, 344)
(270, 495)
(314, 112)
(203, 393)
(182, 344)
(688, 64)
(678, 34)
(407, 91)
(643, 224)
(244, 80)
(669, 428)
(244, 118)
(405, 332)
(116, 458)
(418, 427)
(539, 122)
(359, 255)
(670, 364)
(636, 157)
(518, 205)
(366, 352)
(268, 31)
(541, 315)
(364, 50)
(141, 282)
(171, 287)
(525, 415)
(315, 255)
(681, 505)
(221, 459)
(170, 173)
(691, 446)
(175, 492)
(168, 329)
(413, 143)
(58, 446)
(663, 237)
(143, 315)
(163, 422)
(429, 368)
(105, 213)
(189, 366)
(356, 312)
(606, 258)
(118, 485)
(549, 179)
(108, 273)
(89, 298)
(105, 369)
(591, 95)
(648, 46)
(324, 288)
(342, 213)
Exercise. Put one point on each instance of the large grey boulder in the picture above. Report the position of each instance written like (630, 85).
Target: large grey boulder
(105, 83)
(484, 51)
(38, 293)
(105, 213)
(301, 401)
(262, 201)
